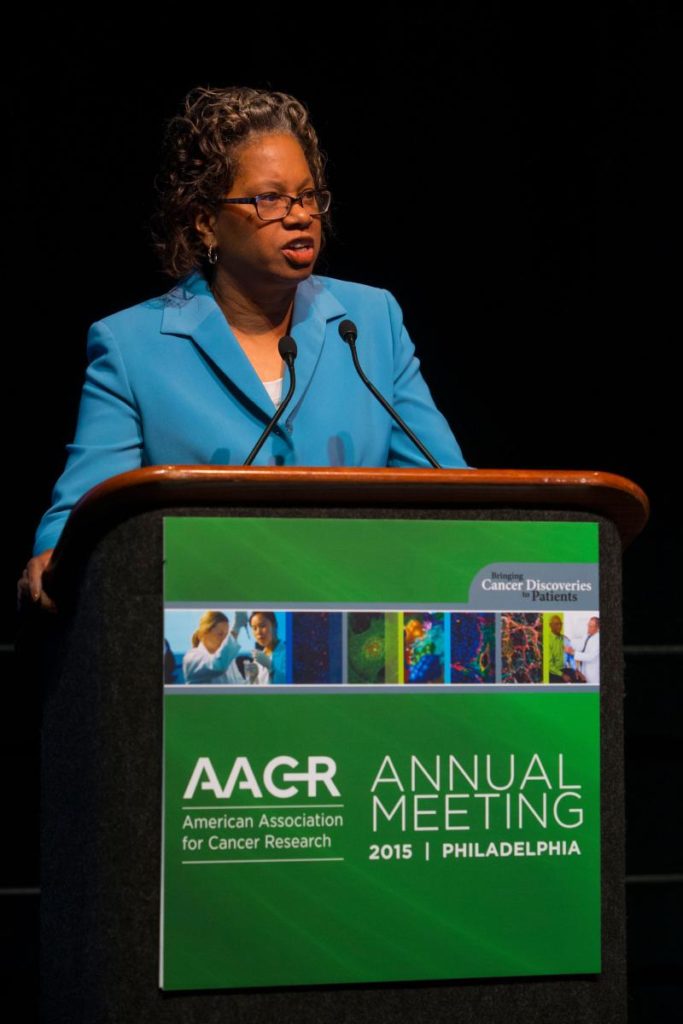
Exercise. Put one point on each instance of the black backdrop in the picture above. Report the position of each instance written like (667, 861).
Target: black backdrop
(542, 294)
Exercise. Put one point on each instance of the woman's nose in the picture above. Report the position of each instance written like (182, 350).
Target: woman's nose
(298, 213)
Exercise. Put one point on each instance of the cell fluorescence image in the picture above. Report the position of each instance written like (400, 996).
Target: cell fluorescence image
(473, 647)
(317, 647)
(521, 647)
(372, 647)
(423, 647)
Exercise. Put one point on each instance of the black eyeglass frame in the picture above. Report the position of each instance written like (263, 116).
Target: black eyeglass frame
(253, 201)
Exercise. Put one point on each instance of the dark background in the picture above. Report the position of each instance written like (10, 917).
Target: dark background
(513, 178)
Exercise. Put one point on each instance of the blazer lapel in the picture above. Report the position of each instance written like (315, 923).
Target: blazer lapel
(314, 306)
(191, 311)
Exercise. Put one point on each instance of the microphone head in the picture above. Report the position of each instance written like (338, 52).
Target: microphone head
(287, 348)
(348, 331)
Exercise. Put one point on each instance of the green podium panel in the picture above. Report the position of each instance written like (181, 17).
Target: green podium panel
(402, 782)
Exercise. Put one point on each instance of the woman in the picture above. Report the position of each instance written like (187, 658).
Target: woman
(270, 650)
(214, 649)
(193, 376)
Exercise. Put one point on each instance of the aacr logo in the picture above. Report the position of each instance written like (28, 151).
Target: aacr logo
(320, 772)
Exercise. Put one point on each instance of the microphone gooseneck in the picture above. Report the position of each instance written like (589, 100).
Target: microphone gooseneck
(349, 333)
(286, 346)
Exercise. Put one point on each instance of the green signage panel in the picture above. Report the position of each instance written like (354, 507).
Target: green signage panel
(367, 780)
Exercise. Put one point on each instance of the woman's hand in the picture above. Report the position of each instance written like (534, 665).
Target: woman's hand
(251, 672)
(240, 622)
(261, 658)
(30, 585)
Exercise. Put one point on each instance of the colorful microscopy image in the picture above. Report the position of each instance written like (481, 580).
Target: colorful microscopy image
(473, 647)
(522, 647)
(317, 647)
(423, 647)
(372, 647)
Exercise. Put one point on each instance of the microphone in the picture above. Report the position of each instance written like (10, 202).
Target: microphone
(286, 346)
(349, 333)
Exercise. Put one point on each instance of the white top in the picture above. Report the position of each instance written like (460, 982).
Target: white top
(274, 389)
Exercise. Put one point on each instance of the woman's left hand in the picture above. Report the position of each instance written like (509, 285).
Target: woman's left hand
(261, 658)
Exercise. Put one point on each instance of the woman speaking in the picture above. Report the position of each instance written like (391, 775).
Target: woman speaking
(194, 376)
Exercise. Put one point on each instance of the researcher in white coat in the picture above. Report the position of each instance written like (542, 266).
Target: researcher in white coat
(214, 649)
(587, 653)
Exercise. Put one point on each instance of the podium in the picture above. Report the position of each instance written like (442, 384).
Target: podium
(102, 663)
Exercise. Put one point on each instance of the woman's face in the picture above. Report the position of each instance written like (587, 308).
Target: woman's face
(263, 630)
(215, 636)
(252, 250)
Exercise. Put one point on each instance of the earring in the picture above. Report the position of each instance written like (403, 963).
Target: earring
(212, 255)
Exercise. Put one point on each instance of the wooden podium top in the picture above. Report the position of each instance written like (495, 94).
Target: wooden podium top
(605, 494)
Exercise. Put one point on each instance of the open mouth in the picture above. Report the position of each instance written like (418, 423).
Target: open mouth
(299, 251)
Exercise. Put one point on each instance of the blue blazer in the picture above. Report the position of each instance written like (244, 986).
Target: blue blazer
(167, 382)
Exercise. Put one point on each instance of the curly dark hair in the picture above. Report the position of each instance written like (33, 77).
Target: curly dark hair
(198, 162)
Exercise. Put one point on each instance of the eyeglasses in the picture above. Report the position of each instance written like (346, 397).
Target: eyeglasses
(277, 206)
